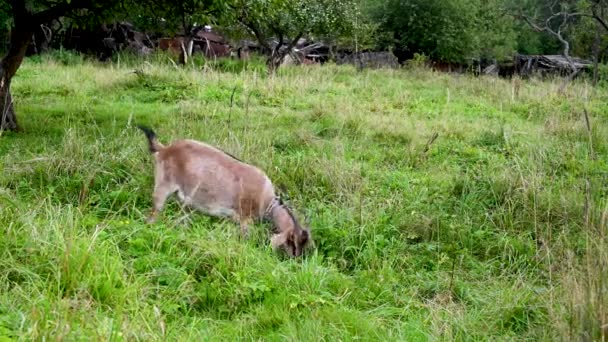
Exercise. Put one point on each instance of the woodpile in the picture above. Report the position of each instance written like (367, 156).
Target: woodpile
(369, 59)
(210, 44)
(105, 40)
(526, 65)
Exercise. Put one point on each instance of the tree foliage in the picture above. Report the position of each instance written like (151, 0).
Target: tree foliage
(174, 16)
(287, 21)
(457, 30)
(449, 30)
(5, 23)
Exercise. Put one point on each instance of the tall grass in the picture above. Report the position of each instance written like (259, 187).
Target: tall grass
(443, 207)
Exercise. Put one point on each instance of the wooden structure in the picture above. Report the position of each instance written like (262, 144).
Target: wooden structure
(526, 65)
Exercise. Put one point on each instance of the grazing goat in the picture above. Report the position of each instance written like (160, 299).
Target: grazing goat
(218, 184)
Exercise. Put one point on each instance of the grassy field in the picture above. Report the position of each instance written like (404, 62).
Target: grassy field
(495, 230)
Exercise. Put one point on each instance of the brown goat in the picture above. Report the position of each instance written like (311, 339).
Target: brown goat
(218, 184)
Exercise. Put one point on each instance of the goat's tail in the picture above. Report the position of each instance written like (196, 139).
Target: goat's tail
(153, 143)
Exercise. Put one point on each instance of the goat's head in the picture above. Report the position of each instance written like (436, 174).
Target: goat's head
(291, 237)
(292, 242)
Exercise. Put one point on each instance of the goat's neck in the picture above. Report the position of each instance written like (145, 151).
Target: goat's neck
(282, 218)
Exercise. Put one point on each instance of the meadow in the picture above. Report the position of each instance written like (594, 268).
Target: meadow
(443, 207)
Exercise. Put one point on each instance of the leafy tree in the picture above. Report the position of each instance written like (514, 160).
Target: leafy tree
(443, 29)
(289, 20)
(26, 16)
(455, 30)
(583, 34)
(530, 42)
(5, 18)
(365, 32)
(495, 31)
(592, 31)
(176, 16)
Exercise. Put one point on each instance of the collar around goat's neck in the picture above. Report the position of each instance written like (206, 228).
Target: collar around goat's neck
(275, 203)
(278, 203)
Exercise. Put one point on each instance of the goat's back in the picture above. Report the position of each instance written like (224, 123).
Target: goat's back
(214, 181)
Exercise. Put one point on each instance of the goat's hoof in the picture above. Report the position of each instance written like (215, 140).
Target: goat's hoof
(244, 234)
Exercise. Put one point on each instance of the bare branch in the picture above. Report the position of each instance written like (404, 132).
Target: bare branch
(62, 9)
(244, 20)
(258, 34)
(295, 41)
(598, 17)
(557, 34)
(281, 40)
(20, 13)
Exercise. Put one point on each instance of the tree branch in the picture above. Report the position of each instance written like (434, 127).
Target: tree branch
(557, 34)
(280, 44)
(598, 18)
(20, 13)
(65, 8)
(294, 42)
(57, 11)
(256, 32)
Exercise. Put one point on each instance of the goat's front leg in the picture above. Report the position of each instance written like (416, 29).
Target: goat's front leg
(245, 222)
(161, 192)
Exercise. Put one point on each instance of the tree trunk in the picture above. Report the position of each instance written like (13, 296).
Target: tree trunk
(596, 54)
(20, 40)
(573, 70)
(279, 53)
(274, 61)
(8, 119)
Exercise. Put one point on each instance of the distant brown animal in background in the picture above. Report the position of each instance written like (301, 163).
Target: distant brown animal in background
(171, 44)
(218, 184)
(308, 61)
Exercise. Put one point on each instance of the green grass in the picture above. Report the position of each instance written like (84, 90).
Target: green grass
(488, 233)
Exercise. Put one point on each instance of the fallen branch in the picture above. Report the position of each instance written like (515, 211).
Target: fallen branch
(589, 133)
(430, 142)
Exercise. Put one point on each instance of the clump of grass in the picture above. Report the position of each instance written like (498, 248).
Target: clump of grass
(442, 206)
